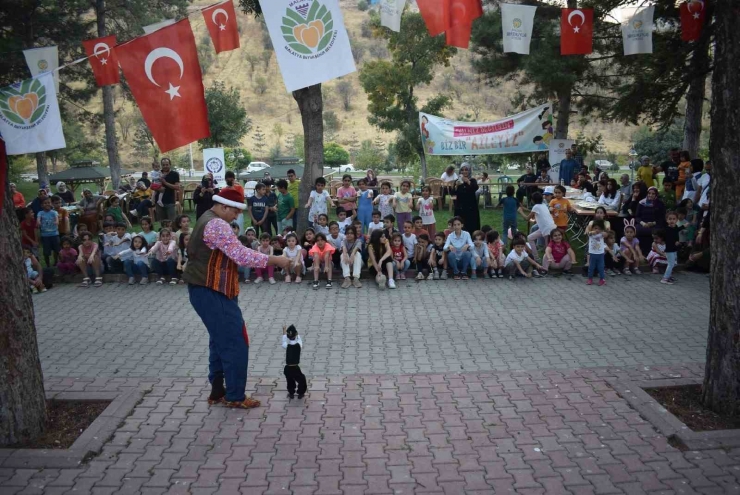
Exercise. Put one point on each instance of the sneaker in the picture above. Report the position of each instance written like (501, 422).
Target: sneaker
(173, 281)
(288, 280)
(259, 280)
(315, 285)
(44, 289)
(500, 275)
(298, 280)
(602, 282)
(655, 270)
(590, 281)
(144, 281)
(432, 276)
(474, 276)
(401, 276)
(444, 275)
(636, 271)
(159, 203)
(34, 290)
(419, 276)
(669, 278)
(347, 283)
(160, 281)
(131, 281)
(291, 396)
(381, 279)
(609, 272)
(491, 274)
(134, 213)
(616, 272)
(356, 283)
(627, 272)
(536, 274)
(272, 280)
(435, 275)
(567, 272)
(391, 283)
(218, 391)
(328, 284)
(666, 281)
(511, 277)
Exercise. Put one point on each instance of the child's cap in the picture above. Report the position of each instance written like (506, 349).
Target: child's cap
(550, 190)
(291, 332)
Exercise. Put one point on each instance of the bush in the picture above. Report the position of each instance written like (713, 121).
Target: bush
(362, 5)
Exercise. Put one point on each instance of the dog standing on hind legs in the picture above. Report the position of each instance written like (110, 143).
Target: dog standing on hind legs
(293, 344)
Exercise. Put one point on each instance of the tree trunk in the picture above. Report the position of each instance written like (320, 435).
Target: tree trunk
(698, 68)
(22, 399)
(563, 120)
(41, 169)
(311, 104)
(423, 159)
(721, 391)
(111, 143)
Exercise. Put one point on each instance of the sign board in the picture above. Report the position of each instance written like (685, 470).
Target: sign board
(214, 163)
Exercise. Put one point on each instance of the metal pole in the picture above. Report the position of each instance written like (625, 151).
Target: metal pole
(191, 158)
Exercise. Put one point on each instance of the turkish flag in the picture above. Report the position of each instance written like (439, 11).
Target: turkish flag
(576, 31)
(103, 60)
(692, 20)
(164, 75)
(221, 22)
(452, 17)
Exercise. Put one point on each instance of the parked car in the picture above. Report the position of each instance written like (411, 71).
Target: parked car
(345, 168)
(257, 166)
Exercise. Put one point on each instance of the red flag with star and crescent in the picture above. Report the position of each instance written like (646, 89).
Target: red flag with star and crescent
(692, 19)
(103, 60)
(163, 72)
(576, 31)
(221, 23)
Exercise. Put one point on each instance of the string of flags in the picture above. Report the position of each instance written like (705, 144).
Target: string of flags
(311, 46)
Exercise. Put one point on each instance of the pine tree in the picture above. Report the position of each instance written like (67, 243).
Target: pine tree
(259, 142)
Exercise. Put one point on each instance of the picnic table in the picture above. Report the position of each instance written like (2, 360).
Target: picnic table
(578, 221)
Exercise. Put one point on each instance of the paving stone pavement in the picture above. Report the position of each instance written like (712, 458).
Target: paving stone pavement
(444, 326)
(536, 432)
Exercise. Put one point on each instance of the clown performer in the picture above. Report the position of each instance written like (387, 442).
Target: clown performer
(212, 275)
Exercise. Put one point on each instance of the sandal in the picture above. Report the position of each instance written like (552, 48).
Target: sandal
(247, 403)
(160, 281)
(98, 282)
(173, 281)
(85, 282)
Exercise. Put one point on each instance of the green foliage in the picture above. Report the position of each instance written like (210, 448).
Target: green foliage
(656, 144)
(226, 116)
(260, 85)
(369, 156)
(331, 122)
(299, 145)
(362, 5)
(390, 85)
(18, 165)
(237, 159)
(335, 155)
(259, 142)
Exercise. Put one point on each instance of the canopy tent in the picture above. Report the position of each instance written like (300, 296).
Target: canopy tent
(276, 172)
(82, 172)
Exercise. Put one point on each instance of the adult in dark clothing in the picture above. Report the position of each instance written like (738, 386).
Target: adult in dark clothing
(577, 156)
(568, 168)
(649, 216)
(203, 195)
(584, 184)
(68, 197)
(466, 205)
(145, 179)
(542, 162)
(670, 167)
(631, 202)
(268, 180)
(171, 184)
(524, 189)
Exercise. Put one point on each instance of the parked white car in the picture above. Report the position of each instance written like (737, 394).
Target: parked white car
(346, 168)
(257, 166)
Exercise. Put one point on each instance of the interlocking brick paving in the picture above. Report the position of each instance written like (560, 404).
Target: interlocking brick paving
(441, 327)
(488, 432)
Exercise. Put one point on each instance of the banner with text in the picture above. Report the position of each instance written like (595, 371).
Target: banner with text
(525, 132)
(213, 162)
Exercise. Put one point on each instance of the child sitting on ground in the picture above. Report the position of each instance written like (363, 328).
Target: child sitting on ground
(614, 261)
(33, 271)
(293, 345)
(376, 224)
(322, 224)
(307, 242)
(558, 254)
(182, 254)
(321, 252)
(67, 258)
(182, 225)
(248, 239)
(89, 260)
(657, 257)
(439, 257)
(136, 260)
(519, 263)
(409, 238)
(479, 259)
(401, 261)
(351, 259)
(292, 251)
(496, 254)
(265, 248)
(423, 258)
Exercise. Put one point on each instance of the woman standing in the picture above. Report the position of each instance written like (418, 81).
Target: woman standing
(466, 205)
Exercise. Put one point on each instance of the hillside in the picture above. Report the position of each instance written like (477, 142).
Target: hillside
(253, 70)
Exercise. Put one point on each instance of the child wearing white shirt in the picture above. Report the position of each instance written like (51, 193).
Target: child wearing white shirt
(596, 250)
(318, 201)
(545, 223)
(519, 262)
(409, 238)
(480, 256)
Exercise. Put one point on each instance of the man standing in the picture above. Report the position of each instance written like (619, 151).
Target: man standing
(670, 167)
(578, 157)
(294, 186)
(212, 275)
(171, 184)
(568, 168)
(232, 183)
